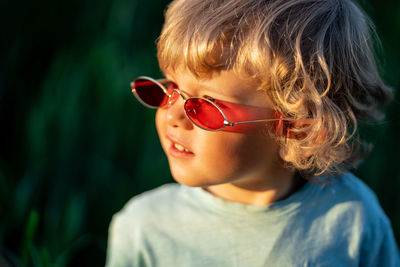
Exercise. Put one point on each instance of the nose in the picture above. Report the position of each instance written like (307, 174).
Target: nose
(176, 116)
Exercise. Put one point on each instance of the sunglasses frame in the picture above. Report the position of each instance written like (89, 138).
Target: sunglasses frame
(159, 82)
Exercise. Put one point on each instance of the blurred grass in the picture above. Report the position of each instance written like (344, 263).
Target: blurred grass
(75, 146)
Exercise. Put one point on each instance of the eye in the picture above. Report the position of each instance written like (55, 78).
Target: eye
(209, 98)
(219, 103)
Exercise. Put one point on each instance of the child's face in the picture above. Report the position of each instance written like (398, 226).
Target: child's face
(201, 158)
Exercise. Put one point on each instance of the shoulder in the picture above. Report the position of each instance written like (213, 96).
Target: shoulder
(378, 246)
(351, 203)
(133, 227)
(350, 190)
(348, 212)
(355, 188)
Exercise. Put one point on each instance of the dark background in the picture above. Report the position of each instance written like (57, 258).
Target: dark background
(74, 143)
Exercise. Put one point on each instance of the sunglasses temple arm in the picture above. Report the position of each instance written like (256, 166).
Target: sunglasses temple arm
(227, 123)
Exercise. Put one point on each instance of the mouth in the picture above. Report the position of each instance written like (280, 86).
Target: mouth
(179, 150)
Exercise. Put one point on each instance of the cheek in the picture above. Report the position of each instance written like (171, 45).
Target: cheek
(160, 115)
(236, 154)
(160, 124)
(258, 147)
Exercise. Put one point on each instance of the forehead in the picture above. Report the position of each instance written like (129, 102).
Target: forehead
(225, 85)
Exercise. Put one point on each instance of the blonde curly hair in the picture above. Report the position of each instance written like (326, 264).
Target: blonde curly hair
(313, 58)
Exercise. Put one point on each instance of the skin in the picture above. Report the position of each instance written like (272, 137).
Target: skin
(238, 167)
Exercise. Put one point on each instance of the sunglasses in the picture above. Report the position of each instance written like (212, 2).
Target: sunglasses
(204, 112)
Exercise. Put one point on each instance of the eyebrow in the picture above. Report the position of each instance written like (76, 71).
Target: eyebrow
(208, 88)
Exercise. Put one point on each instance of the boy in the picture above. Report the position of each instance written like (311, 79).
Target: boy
(257, 116)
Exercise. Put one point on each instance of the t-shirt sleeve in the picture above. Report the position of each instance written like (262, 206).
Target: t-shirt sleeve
(119, 248)
(131, 240)
(124, 248)
(383, 251)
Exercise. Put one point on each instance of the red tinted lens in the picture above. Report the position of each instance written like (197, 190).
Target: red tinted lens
(204, 114)
(174, 95)
(150, 93)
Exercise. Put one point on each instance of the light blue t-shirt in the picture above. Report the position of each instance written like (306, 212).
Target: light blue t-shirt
(341, 224)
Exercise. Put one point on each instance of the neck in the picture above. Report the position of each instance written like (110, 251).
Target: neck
(270, 191)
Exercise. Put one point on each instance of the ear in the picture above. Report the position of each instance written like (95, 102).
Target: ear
(285, 129)
(283, 153)
(282, 128)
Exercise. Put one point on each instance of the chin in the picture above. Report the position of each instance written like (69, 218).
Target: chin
(189, 179)
(191, 182)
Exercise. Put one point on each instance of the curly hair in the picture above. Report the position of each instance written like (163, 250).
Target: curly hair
(313, 58)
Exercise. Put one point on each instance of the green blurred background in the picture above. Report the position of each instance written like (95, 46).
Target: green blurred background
(75, 145)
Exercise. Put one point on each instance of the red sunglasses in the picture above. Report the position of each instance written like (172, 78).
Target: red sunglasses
(206, 113)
